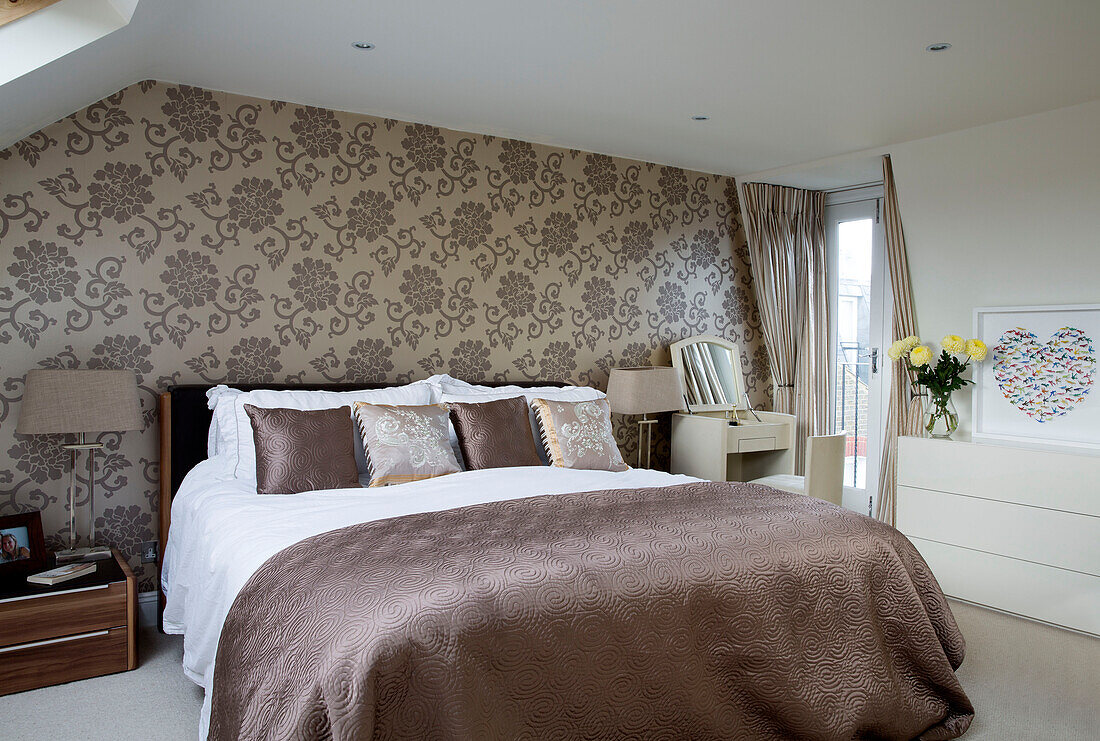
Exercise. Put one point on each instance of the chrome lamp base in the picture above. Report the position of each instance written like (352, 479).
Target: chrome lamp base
(95, 553)
(645, 432)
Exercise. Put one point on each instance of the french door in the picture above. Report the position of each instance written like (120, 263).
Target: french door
(859, 336)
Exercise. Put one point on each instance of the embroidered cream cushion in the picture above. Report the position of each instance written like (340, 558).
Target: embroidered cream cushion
(405, 443)
(577, 434)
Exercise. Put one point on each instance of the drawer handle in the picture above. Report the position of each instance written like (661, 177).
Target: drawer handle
(54, 594)
(66, 639)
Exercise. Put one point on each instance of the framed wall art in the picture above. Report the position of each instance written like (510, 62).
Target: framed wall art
(1039, 385)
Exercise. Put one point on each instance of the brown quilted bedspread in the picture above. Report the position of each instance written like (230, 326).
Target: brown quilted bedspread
(701, 611)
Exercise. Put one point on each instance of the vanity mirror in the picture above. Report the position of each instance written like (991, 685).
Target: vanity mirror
(711, 369)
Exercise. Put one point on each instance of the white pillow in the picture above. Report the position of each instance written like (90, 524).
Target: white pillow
(485, 393)
(441, 382)
(215, 442)
(449, 383)
(212, 438)
(235, 428)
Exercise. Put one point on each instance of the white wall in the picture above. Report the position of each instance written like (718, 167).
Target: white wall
(997, 215)
(1002, 214)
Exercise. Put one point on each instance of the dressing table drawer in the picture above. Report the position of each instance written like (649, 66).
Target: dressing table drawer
(752, 444)
(756, 437)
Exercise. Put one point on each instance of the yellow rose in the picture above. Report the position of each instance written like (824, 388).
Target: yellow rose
(954, 343)
(977, 350)
(920, 355)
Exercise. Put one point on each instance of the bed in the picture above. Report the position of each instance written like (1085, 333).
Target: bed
(534, 602)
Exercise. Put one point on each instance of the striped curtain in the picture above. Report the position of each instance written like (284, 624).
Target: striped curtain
(903, 416)
(785, 228)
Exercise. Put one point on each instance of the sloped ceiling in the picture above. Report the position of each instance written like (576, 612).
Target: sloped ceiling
(783, 82)
(53, 31)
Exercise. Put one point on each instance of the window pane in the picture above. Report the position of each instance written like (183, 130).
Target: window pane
(853, 340)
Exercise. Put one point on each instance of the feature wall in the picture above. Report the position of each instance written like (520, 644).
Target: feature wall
(201, 237)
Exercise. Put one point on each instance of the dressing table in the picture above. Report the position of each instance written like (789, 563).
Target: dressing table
(720, 437)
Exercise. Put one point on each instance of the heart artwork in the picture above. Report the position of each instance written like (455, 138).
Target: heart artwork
(1044, 379)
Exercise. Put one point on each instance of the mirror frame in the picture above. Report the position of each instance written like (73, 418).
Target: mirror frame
(676, 350)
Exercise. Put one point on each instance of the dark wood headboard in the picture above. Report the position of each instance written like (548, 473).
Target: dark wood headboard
(185, 421)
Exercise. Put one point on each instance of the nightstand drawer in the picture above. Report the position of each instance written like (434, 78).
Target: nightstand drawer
(57, 660)
(65, 613)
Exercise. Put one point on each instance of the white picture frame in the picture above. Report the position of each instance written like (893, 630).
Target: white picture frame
(1038, 386)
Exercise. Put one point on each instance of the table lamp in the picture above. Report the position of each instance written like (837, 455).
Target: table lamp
(645, 390)
(77, 402)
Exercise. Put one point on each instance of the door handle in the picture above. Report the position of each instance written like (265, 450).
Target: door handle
(873, 355)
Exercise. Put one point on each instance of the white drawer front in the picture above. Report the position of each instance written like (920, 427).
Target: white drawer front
(755, 444)
(1065, 598)
(1036, 477)
(1051, 537)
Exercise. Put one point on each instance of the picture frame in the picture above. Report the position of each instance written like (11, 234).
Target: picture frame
(22, 547)
(1038, 386)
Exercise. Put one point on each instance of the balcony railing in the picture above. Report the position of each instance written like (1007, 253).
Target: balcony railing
(853, 390)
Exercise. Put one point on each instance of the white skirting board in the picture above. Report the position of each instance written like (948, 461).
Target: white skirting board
(147, 608)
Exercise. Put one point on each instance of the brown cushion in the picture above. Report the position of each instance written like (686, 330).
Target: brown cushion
(405, 443)
(299, 450)
(495, 434)
(578, 434)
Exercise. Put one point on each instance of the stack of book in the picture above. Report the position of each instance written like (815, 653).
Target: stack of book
(62, 573)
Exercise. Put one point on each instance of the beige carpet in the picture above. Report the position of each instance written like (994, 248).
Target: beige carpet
(155, 702)
(1027, 681)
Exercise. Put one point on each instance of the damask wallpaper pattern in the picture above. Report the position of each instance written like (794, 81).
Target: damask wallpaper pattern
(197, 236)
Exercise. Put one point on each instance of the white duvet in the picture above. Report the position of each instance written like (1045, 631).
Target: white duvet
(222, 532)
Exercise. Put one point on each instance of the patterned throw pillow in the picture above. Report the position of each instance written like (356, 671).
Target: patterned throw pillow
(578, 434)
(479, 394)
(495, 434)
(405, 443)
(299, 450)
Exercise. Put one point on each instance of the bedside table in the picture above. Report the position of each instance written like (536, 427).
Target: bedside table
(81, 628)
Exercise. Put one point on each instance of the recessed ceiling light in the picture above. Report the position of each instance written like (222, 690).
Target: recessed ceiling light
(941, 46)
(363, 45)
(699, 117)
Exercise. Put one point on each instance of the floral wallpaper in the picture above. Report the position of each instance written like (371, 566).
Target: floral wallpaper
(197, 236)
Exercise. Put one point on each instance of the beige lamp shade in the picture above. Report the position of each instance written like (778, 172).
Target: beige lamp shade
(644, 390)
(72, 401)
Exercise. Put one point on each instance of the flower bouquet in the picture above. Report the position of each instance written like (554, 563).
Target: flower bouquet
(941, 418)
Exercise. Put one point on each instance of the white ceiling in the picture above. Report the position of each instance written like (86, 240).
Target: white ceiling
(784, 81)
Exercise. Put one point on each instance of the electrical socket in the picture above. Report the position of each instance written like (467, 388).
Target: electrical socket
(149, 551)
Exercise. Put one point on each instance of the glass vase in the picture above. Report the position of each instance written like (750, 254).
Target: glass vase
(941, 418)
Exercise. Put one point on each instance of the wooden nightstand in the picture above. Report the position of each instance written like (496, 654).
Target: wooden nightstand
(74, 630)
